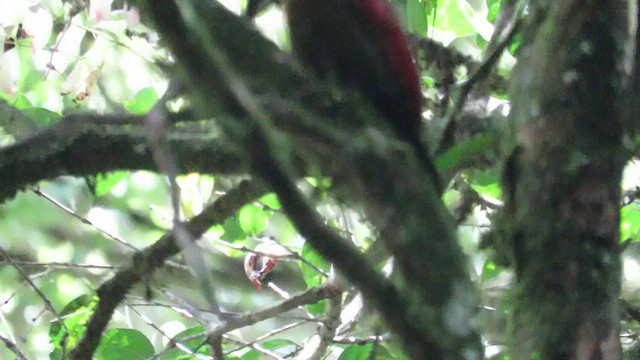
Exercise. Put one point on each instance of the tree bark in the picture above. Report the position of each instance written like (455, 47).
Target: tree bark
(562, 179)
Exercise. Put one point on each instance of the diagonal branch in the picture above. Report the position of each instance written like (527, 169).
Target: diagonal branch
(371, 170)
(310, 296)
(148, 260)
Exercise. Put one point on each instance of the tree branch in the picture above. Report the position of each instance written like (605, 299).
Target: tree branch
(372, 170)
(87, 144)
(310, 296)
(148, 260)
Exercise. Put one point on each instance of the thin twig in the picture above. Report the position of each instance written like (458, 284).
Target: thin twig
(480, 73)
(13, 348)
(86, 221)
(353, 340)
(66, 265)
(171, 340)
(112, 292)
(156, 121)
(293, 255)
(310, 296)
(285, 295)
(268, 335)
(266, 352)
(47, 303)
(82, 219)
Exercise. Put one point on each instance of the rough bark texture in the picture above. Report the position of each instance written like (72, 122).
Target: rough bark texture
(563, 180)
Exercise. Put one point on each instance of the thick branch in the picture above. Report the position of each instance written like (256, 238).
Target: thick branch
(87, 144)
(371, 170)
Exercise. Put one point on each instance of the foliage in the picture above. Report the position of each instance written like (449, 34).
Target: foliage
(70, 235)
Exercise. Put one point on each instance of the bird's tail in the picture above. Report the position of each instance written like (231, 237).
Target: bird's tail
(425, 158)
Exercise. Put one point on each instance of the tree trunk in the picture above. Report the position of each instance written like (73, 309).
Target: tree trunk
(563, 179)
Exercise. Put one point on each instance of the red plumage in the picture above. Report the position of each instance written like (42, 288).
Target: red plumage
(360, 44)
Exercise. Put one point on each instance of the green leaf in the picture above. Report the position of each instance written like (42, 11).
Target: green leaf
(494, 9)
(320, 183)
(485, 182)
(356, 352)
(466, 152)
(114, 30)
(456, 18)
(429, 81)
(490, 270)
(515, 44)
(396, 352)
(417, 17)
(364, 352)
(106, 181)
(232, 230)
(31, 80)
(630, 222)
(142, 101)
(76, 314)
(252, 354)
(41, 115)
(119, 344)
(253, 219)
(21, 102)
(278, 343)
(318, 308)
(29, 76)
(270, 200)
(500, 357)
(195, 336)
(193, 339)
(87, 42)
(124, 344)
(310, 275)
(177, 354)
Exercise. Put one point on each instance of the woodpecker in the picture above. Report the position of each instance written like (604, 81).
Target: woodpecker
(257, 267)
(263, 258)
(360, 44)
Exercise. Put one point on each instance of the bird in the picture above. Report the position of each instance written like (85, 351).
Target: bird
(360, 45)
(257, 266)
(262, 259)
